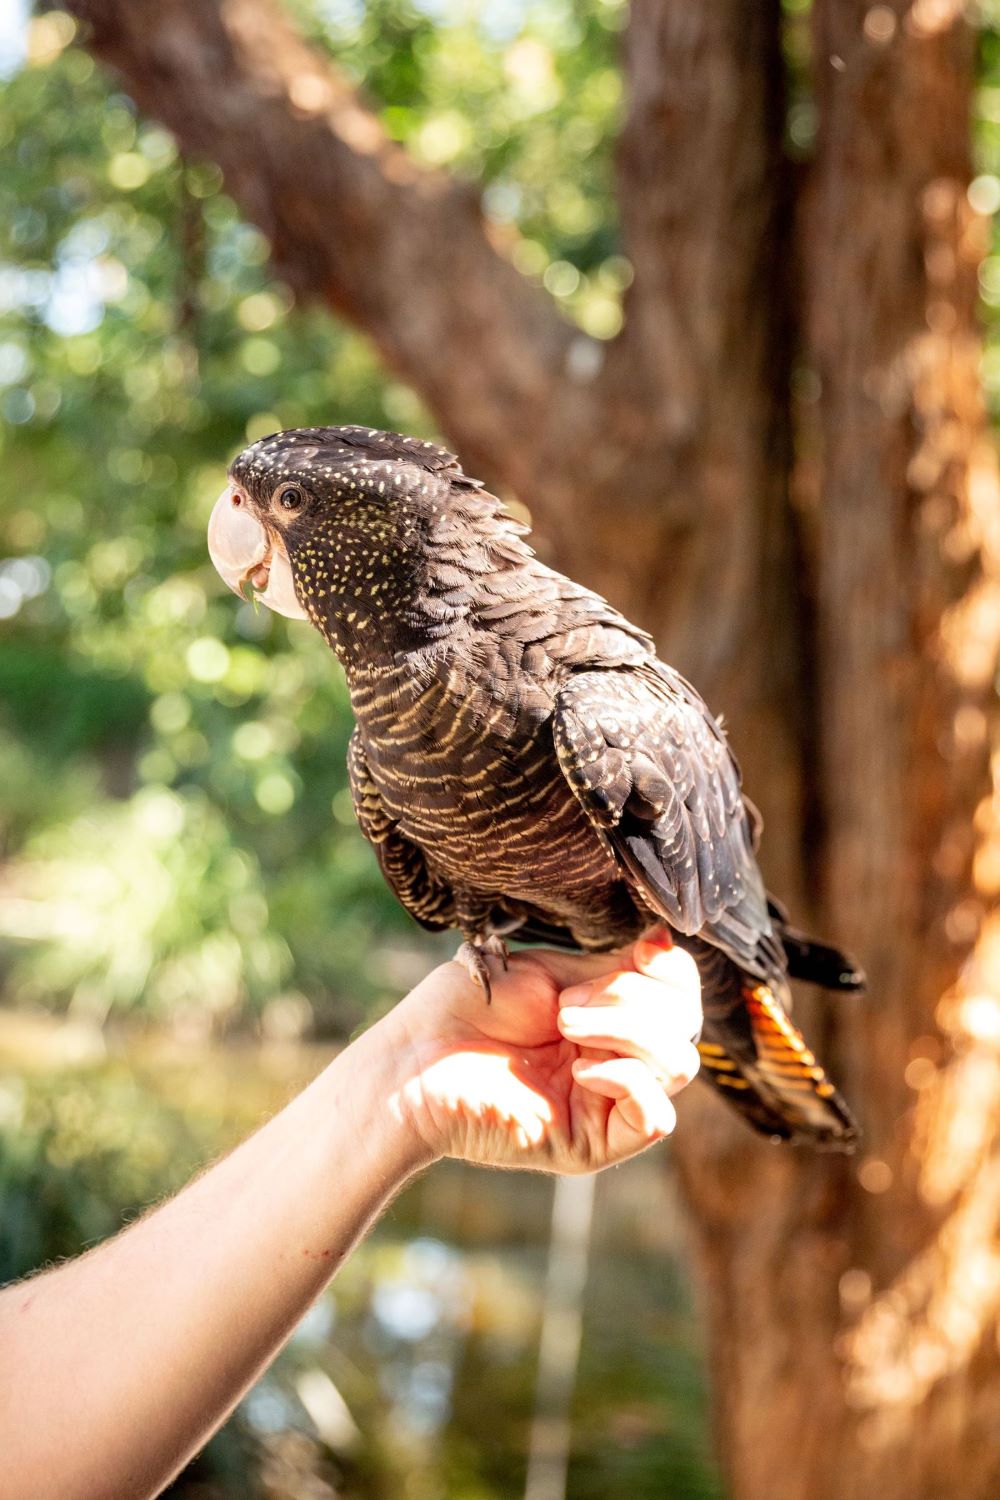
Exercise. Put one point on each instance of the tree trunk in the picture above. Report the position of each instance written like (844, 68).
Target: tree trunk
(910, 613)
(855, 1307)
(844, 612)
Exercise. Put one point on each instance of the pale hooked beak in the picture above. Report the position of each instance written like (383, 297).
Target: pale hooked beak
(243, 552)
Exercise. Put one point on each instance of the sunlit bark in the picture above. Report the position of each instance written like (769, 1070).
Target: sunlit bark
(910, 621)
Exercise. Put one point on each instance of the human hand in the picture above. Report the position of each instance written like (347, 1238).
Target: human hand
(571, 1067)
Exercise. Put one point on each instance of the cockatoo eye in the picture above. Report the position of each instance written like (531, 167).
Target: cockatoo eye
(290, 497)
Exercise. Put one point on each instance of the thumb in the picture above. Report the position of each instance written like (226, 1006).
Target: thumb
(675, 968)
(653, 952)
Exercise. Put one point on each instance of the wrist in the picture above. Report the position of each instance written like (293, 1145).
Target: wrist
(421, 1030)
(393, 1053)
(366, 1083)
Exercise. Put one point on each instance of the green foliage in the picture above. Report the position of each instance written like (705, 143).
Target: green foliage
(985, 194)
(143, 340)
(522, 99)
(174, 818)
(174, 796)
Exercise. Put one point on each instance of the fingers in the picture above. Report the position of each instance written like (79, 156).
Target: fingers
(645, 1017)
(656, 1006)
(674, 967)
(638, 1095)
(638, 1025)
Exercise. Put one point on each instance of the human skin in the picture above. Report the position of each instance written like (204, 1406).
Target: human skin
(117, 1367)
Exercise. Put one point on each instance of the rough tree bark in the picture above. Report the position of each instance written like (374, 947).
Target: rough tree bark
(910, 610)
(844, 612)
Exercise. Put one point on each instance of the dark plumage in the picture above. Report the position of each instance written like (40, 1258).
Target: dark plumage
(522, 763)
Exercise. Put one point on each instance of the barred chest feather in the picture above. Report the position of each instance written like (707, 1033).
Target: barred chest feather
(462, 754)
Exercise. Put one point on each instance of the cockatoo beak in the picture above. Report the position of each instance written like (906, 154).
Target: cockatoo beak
(244, 552)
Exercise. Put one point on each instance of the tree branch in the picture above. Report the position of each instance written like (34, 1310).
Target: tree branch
(705, 193)
(404, 253)
(706, 197)
(399, 250)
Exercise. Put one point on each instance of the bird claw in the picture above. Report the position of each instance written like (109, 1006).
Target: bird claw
(473, 955)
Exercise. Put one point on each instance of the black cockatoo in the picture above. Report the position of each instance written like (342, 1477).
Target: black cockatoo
(522, 763)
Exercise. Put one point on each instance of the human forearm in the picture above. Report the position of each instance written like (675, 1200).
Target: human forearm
(117, 1367)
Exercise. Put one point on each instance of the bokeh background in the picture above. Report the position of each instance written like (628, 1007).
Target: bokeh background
(187, 911)
(189, 920)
